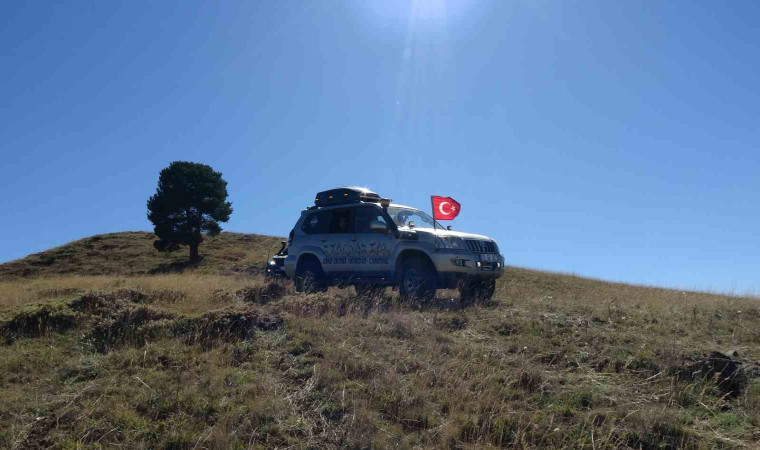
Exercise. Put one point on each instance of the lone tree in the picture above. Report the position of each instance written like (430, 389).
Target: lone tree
(191, 199)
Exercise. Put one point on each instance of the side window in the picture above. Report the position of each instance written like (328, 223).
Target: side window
(365, 215)
(317, 222)
(341, 221)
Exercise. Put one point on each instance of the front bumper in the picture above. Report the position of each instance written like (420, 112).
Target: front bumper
(277, 272)
(454, 266)
(275, 268)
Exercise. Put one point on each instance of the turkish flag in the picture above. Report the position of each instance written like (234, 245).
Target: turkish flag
(445, 208)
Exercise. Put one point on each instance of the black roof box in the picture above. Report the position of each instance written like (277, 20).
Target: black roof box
(349, 194)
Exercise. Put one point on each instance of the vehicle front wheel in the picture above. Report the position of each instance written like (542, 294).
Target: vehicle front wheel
(417, 281)
(309, 278)
(476, 290)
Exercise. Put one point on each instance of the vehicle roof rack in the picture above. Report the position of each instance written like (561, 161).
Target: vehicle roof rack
(346, 194)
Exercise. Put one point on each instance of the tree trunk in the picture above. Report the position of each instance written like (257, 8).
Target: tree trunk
(194, 256)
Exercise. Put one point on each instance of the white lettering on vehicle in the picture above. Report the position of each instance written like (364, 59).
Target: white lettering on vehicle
(356, 253)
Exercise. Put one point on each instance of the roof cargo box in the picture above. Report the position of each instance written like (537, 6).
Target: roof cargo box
(343, 195)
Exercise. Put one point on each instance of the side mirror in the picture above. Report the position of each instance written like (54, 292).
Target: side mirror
(448, 227)
(377, 226)
(410, 224)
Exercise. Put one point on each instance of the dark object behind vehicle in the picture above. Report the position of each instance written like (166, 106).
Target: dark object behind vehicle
(275, 267)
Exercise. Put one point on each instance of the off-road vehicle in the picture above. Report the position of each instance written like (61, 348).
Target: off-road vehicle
(275, 266)
(352, 236)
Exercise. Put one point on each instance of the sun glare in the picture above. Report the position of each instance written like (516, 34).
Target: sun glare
(431, 12)
(429, 9)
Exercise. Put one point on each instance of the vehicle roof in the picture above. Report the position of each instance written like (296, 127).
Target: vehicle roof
(347, 205)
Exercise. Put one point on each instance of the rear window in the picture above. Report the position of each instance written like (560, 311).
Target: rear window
(317, 222)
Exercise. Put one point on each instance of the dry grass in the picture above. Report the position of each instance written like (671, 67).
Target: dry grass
(202, 359)
(188, 293)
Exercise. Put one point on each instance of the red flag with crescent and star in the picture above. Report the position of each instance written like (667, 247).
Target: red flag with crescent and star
(445, 208)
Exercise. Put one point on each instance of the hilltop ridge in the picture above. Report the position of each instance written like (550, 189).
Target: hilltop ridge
(132, 253)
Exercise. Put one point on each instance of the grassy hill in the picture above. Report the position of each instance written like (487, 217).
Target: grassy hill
(132, 253)
(105, 342)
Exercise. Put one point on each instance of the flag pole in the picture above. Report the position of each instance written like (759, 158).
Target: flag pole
(432, 210)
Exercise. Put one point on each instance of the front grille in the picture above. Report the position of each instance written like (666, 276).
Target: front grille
(481, 246)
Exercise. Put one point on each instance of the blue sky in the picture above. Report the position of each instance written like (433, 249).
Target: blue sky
(617, 140)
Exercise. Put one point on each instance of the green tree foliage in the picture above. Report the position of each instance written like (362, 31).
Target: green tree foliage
(191, 199)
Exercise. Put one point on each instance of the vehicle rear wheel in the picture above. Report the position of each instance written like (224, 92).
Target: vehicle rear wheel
(476, 290)
(309, 278)
(417, 281)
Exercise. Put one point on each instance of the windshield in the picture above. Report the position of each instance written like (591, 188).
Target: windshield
(403, 216)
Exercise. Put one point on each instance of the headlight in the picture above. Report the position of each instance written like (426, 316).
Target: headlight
(450, 242)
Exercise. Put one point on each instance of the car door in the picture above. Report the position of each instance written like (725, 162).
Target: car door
(316, 228)
(338, 244)
(373, 247)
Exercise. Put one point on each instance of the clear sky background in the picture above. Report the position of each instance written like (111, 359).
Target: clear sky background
(613, 139)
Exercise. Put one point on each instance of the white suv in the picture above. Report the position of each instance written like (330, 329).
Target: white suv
(351, 236)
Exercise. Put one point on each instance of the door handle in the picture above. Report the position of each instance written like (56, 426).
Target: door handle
(353, 239)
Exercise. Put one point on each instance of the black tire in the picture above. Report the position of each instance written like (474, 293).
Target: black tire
(474, 290)
(369, 290)
(417, 281)
(309, 278)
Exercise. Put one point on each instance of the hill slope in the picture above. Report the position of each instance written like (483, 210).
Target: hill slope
(132, 253)
(103, 344)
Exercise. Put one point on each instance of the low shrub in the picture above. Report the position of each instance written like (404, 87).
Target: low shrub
(225, 326)
(37, 320)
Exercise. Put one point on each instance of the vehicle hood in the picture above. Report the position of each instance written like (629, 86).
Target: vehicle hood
(442, 233)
